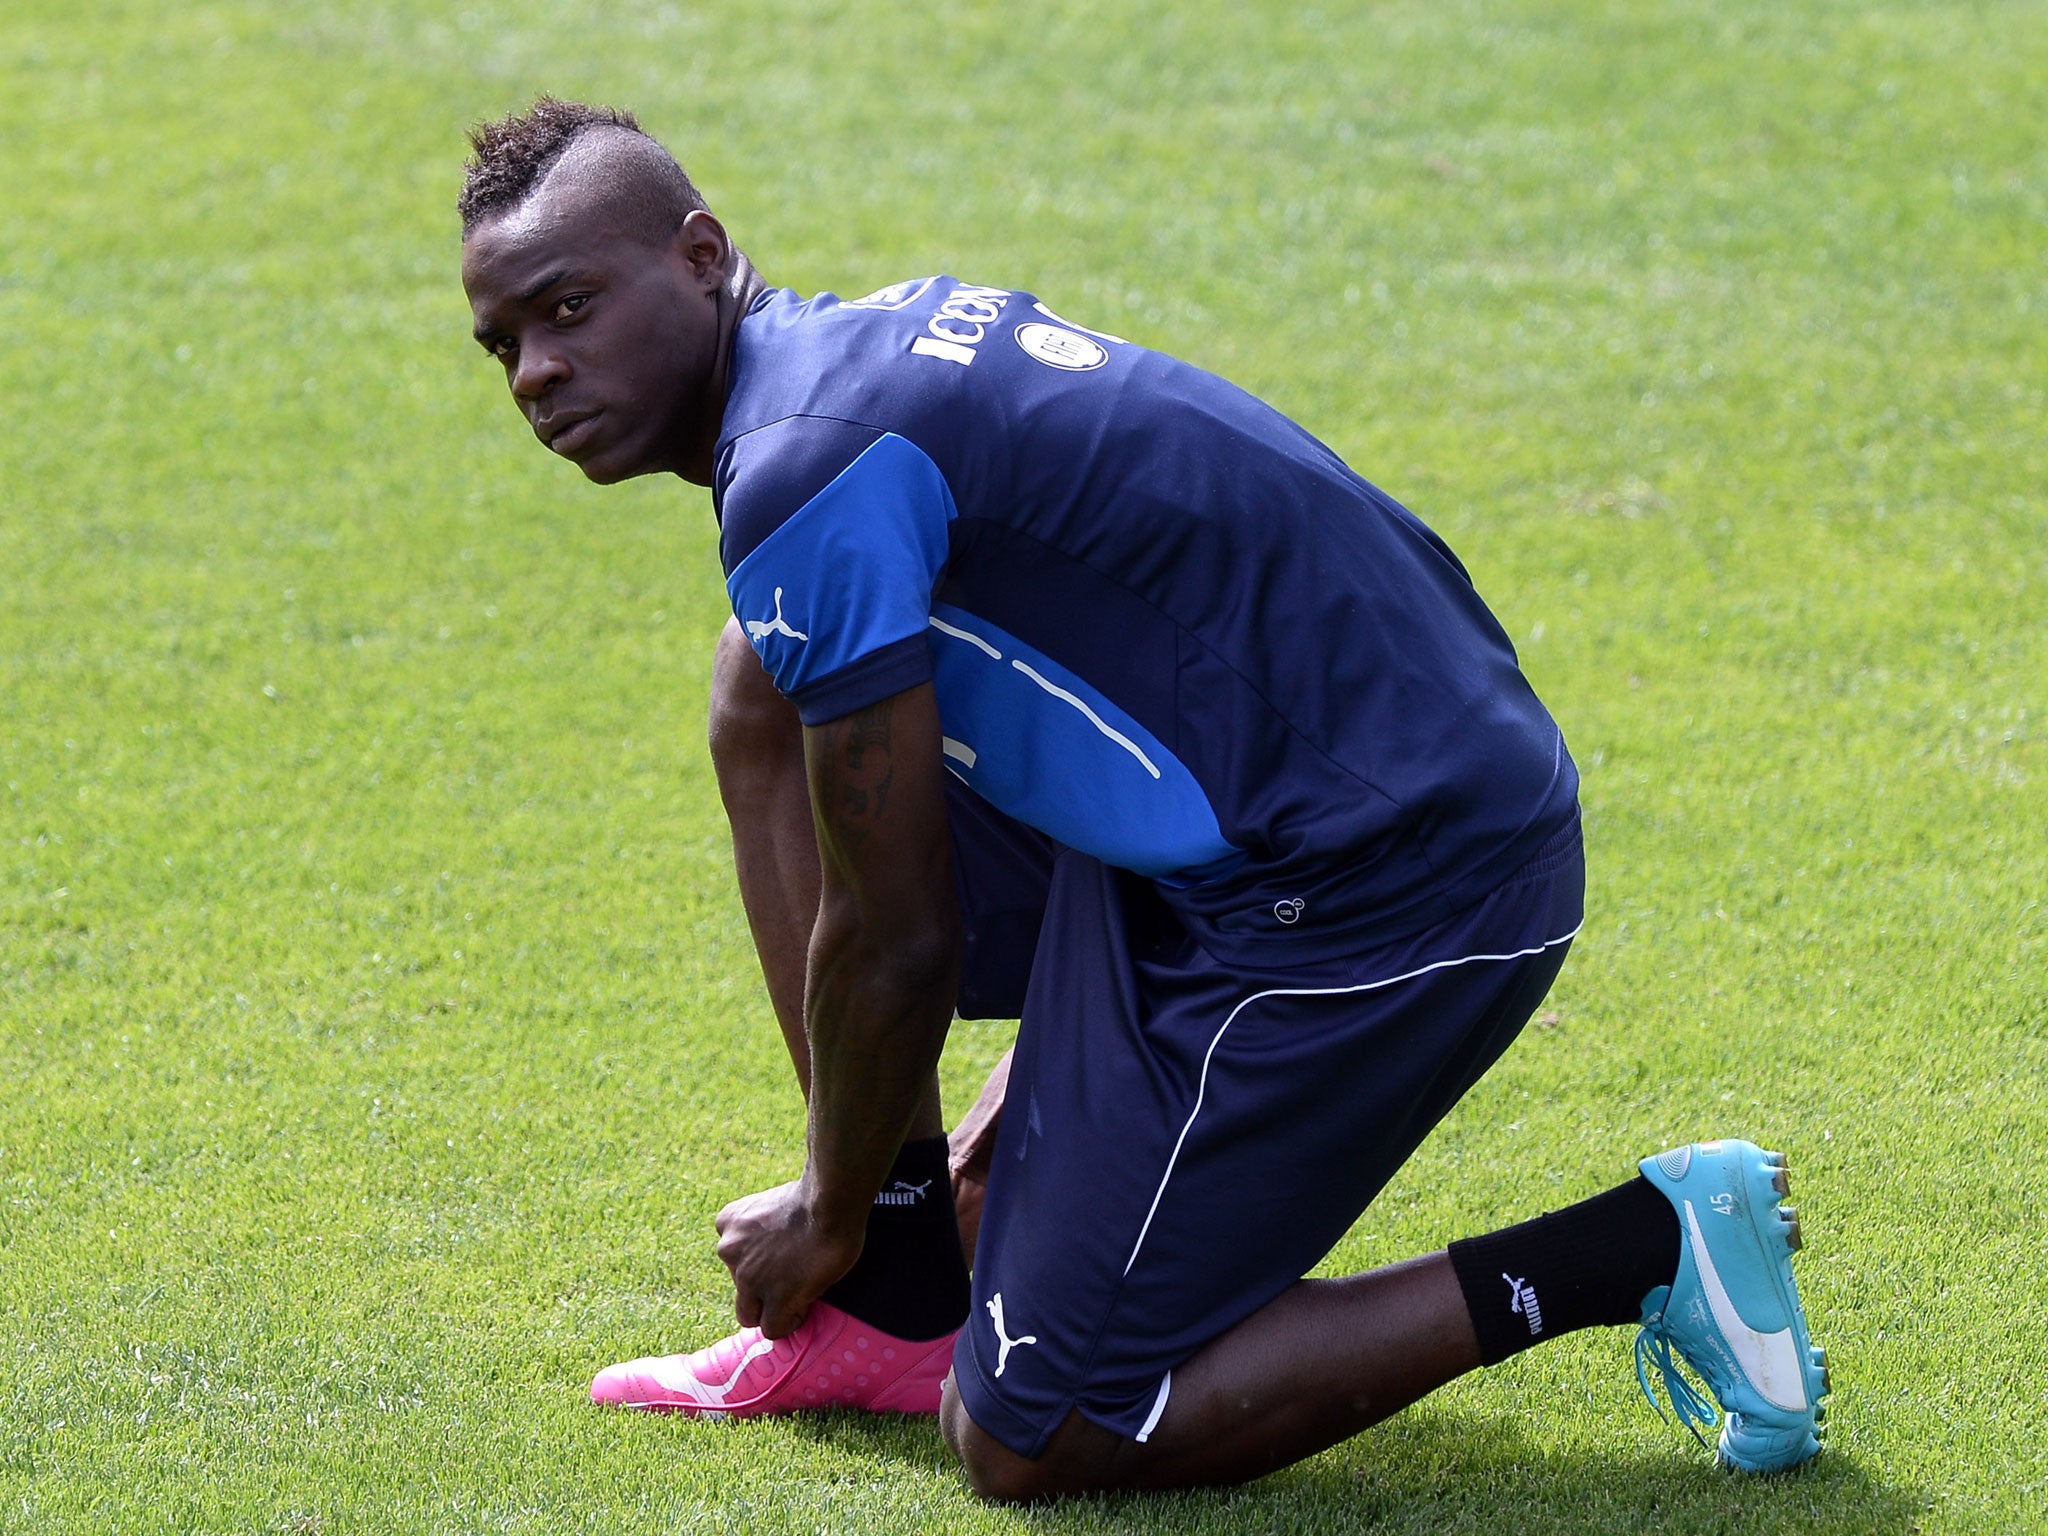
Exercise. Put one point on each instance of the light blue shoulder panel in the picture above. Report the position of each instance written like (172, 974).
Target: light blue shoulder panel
(851, 571)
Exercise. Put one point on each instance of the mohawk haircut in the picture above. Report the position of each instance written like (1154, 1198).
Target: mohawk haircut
(514, 154)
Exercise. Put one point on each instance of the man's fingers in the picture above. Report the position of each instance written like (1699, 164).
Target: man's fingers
(968, 1193)
(973, 1141)
(782, 1320)
(778, 1263)
(746, 1306)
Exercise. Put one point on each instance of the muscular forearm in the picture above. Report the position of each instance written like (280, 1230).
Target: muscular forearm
(878, 1006)
(876, 1009)
(884, 960)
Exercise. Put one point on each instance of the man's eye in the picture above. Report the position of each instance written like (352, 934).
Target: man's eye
(504, 347)
(570, 305)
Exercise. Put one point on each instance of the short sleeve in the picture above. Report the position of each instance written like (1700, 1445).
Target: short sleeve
(833, 585)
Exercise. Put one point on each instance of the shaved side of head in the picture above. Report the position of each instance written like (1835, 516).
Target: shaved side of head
(596, 163)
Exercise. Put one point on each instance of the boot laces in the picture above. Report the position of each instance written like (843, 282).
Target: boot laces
(1692, 1406)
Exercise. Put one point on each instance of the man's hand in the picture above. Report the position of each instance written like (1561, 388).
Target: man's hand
(970, 1147)
(780, 1260)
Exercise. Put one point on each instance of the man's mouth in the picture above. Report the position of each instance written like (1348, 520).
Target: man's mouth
(565, 437)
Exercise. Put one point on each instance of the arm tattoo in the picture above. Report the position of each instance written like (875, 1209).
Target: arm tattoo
(855, 770)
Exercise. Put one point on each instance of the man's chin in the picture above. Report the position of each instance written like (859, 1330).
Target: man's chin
(610, 466)
(609, 462)
(600, 471)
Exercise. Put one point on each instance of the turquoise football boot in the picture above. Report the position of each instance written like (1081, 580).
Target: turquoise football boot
(1733, 1310)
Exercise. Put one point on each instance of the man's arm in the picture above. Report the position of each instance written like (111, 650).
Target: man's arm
(882, 978)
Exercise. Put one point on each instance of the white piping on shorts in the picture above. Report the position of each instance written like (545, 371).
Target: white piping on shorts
(1158, 1407)
(1202, 1088)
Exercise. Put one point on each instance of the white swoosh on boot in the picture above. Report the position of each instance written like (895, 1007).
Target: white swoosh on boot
(1769, 1360)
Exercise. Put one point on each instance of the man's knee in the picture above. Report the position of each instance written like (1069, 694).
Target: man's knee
(994, 1471)
(750, 720)
(1076, 1461)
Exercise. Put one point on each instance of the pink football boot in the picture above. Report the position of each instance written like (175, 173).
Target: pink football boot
(831, 1361)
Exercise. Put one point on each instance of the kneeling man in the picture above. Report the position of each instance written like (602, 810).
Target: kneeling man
(1068, 683)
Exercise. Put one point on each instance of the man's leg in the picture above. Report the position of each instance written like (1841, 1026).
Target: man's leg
(1319, 1363)
(1185, 1138)
(1327, 1358)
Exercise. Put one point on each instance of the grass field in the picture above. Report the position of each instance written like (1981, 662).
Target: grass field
(378, 1029)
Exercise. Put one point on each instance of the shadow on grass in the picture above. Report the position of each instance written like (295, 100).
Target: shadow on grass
(1445, 1472)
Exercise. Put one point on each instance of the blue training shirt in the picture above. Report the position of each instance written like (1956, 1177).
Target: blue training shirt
(1166, 626)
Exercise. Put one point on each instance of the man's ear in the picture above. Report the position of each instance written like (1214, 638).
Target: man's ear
(703, 245)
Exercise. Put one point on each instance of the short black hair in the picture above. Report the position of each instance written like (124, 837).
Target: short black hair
(514, 154)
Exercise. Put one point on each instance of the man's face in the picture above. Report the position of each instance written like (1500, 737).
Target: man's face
(609, 345)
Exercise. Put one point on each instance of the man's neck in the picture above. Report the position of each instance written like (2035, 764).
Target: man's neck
(745, 284)
(734, 300)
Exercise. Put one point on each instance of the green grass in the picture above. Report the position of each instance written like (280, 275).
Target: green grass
(378, 1030)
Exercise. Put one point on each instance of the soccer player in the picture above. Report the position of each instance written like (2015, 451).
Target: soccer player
(1069, 683)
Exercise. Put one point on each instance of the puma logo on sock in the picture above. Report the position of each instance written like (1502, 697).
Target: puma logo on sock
(903, 1194)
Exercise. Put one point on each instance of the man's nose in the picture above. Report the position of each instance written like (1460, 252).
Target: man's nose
(539, 368)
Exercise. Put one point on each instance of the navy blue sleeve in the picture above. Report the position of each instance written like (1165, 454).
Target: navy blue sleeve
(832, 549)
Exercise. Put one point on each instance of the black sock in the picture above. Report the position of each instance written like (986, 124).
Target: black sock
(911, 1278)
(1586, 1265)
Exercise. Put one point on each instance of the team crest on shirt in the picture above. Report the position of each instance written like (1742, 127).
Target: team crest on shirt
(1059, 347)
(895, 296)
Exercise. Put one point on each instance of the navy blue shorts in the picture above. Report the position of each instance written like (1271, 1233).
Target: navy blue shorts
(1184, 1139)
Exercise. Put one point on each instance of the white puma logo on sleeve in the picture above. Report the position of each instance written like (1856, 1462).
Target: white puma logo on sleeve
(761, 629)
